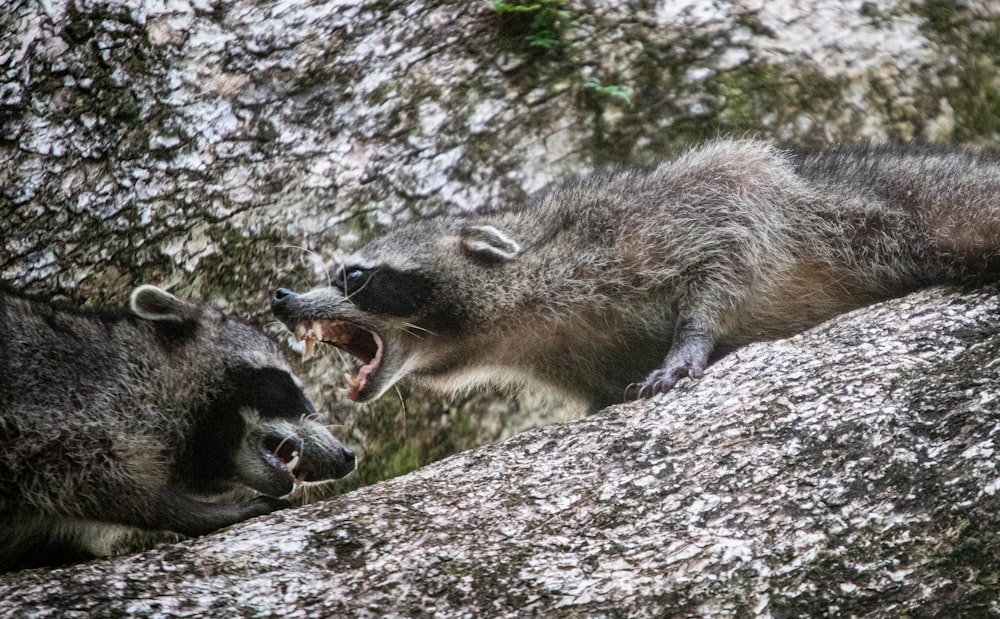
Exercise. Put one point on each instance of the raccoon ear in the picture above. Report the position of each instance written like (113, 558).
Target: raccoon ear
(153, 303)
(489, 242)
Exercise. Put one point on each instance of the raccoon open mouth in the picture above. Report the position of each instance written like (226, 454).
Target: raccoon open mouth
(283, 453)
(357, 341)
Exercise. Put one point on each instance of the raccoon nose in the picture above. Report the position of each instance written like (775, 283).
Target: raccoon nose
(282, 296)
(282, 303)
(350, 460)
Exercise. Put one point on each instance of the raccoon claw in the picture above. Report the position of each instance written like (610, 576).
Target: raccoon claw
(664, 379)
(688, 359)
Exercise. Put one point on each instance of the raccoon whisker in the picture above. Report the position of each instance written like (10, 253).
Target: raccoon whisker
(348, 296)
(345, 358)
(402, 404)
(409, 325)
(315, 255)
(409, 332)
(300, 248)
(281, 443)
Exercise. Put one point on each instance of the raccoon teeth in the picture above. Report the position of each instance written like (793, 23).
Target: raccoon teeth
(353, 382)
(310, 333)
(294, 462)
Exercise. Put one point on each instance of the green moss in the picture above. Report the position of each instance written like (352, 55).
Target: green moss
(400, 441)
(945, 17)
(972, 562)
(533, 27)
(241, 268)
(110, 75)
(973, 86)
(381, 94)
(391, 450)
(313, 78)
(550, 37)
(733, 102)
(976, 98)
(752, 92)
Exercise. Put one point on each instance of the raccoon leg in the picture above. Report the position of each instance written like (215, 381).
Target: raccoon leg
(180, 513)
(688, 357)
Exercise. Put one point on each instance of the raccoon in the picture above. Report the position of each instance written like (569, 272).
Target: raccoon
(121, 428)
(620, 283)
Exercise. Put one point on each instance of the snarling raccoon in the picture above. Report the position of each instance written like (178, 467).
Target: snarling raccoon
(620, 283)
(117, 425)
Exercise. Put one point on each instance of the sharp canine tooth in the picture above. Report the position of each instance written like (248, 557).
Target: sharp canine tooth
(310, 349)
(317, 332)
(294, 462)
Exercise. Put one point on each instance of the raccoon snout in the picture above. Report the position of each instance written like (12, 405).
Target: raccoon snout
(346, 463)
(283, 305)
(283, 297)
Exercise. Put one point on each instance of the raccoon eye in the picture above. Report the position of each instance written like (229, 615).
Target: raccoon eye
(354, 276)
(350, 279)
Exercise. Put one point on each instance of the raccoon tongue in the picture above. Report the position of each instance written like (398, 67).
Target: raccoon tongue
(358, 383)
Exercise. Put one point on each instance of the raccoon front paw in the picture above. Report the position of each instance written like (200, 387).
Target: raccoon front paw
(688, 358)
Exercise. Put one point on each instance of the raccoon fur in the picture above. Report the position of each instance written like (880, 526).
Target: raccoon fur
(620, 283)
(116, 426)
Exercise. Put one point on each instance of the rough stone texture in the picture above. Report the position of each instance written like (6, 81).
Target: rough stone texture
(849, 471)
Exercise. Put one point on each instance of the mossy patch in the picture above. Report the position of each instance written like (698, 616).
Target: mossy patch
(401, 440)
(972, 84)
(533, 27)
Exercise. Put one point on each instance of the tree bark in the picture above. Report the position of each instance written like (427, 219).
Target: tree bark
(849, 471)
(226, 148)
(222, 149)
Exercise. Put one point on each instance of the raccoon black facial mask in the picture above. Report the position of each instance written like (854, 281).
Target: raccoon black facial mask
(377, 312)
(147, 419)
